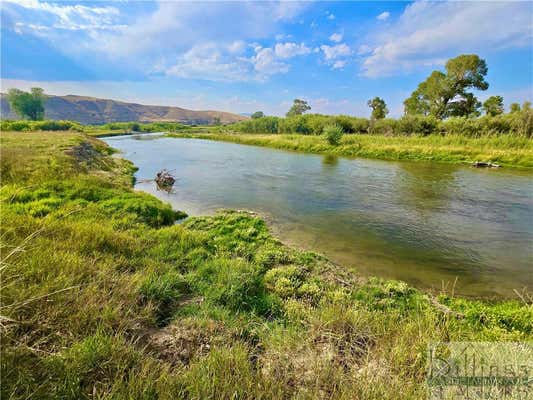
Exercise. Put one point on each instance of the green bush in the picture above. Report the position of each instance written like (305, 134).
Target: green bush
(297, 124)
(416, 125)
(333, 134)
(284, 281)
(519, 123)
(17, 126)
(52, 125)
(258, 125)
(46, 125)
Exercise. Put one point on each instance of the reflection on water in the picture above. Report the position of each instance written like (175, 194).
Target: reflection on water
(425, 186)
(330, 160)
(424, 223)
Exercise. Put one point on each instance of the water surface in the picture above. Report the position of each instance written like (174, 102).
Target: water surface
(429, 224)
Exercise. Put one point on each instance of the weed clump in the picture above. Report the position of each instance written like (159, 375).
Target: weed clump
(333, 134)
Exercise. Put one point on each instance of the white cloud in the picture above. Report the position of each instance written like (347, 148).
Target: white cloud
(364, 49)
(383, 16)
(331, 16)
(428, 33)
(65, 17)
(282, 36)
(265, 62)
(174, 26)
(186, 39)
(216, 62)
(335, 56)
(289, 49)
(210, 62)
(336, 51)
(336, 37)
(237, 47)
(339, 64)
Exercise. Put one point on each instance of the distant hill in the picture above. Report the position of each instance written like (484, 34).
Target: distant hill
(91, 110)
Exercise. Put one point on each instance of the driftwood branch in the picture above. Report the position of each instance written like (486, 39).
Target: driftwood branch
(164, 180)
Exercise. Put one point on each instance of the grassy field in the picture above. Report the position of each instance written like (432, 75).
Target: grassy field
(509, 151)
(103, 296)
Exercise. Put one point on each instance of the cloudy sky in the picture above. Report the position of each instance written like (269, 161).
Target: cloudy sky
(249, 56)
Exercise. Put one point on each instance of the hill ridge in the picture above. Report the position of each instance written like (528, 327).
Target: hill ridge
(95, 110)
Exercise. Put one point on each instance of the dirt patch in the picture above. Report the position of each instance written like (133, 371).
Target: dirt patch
(87, 155)
(315, 361)
(186, 339)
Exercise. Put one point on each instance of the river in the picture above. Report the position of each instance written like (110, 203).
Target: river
(432, 225)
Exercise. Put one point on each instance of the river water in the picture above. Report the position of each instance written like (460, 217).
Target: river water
(431, 225)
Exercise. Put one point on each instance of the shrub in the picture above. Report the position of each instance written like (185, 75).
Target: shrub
(17, 126)
(297, 124)
(52, 125)
(270, 255)
(518, 123)
(258, 125)
(386, 126)
(284, 281)
(416, 125)
(333, 134)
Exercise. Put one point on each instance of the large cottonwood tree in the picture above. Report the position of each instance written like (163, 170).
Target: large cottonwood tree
(445, 94)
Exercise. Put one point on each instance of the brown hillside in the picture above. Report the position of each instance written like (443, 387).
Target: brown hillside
(91, 110)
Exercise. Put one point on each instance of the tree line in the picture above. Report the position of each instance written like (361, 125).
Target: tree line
(442, 95)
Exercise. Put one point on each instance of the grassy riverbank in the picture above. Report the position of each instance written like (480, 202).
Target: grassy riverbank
(509, 151)
(103, 296)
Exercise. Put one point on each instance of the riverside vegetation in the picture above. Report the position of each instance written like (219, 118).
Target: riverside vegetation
(104, 296)
(504, 139)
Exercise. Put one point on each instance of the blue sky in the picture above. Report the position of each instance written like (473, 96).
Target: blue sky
(248, 56)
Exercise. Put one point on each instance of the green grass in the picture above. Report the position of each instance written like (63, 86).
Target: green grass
(109, 129)
(509, 151)
(103, 296)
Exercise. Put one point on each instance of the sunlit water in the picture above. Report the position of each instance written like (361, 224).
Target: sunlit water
(425, 223)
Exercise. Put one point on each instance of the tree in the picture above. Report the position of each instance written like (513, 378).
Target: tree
(258, 114)
(27, 105)
(515, 108)
(468, 107)
(493, 105)
(379, 108)
(298, 108)
(445, 94)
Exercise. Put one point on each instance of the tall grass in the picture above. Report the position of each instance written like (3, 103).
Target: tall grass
(103, 296)
(94, 130)
(512, 151)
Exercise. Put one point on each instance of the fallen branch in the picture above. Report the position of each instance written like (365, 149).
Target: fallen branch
(165, 180)
(444, 309)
